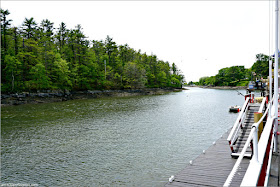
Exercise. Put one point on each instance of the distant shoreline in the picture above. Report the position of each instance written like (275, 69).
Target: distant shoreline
(223, 87)
(58, 96)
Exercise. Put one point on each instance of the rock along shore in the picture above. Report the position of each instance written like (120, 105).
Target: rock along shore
(58, 96)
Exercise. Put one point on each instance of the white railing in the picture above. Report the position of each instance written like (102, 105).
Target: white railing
(252, 173)
(262, 105)
(236, 127)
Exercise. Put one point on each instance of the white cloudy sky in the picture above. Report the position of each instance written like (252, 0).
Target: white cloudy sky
(201, 37)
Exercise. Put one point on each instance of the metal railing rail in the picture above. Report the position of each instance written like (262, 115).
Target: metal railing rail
(253, 135)
(236, 134)
(241, 117)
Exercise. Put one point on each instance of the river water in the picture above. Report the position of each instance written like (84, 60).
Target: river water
(132, 141)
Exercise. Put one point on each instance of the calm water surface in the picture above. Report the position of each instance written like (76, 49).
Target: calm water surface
(134, 141)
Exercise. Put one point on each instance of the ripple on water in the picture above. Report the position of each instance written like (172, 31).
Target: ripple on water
(134, 141)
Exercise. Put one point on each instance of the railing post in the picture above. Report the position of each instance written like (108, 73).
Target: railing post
(276, 75)
(257, 117)
(270, 113)
(255, 144)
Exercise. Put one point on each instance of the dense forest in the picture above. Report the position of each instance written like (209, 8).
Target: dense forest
(40, 57)
(238, 75)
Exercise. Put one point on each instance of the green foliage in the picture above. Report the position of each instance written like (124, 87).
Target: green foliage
(177, 81)
(38, 57)
(61, 73)
(12, 75)
(162, 79)
(135, 76)
(243, 83)
(39, 79)
(225, 77)
(261, 65)
(191, 83)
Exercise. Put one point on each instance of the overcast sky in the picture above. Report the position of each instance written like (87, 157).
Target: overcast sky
(201, 37)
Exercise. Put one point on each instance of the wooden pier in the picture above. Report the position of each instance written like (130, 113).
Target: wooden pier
(213, 167)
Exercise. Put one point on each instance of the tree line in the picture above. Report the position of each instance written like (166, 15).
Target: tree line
(238, 75)
(40, 57)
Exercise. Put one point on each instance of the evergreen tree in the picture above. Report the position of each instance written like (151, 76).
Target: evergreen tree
(5, 23)
(29, 28)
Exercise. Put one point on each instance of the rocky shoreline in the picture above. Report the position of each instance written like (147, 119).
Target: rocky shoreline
(58, 96)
